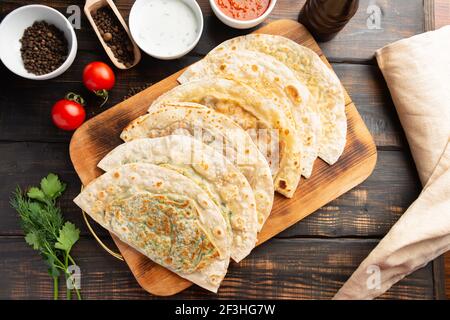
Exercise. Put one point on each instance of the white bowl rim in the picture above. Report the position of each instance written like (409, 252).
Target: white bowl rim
(195, 7)
(70, 57)
(257, 20)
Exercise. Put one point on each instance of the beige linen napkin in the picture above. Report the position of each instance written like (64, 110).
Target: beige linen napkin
(417, 71)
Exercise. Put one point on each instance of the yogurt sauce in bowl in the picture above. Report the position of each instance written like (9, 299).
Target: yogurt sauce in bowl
(166, 29)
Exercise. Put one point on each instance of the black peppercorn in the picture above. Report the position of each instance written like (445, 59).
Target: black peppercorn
(114, 35)
(44, 48)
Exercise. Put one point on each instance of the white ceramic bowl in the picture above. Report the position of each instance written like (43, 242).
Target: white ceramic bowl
(241, 24)
(136, 28)
(11, 31)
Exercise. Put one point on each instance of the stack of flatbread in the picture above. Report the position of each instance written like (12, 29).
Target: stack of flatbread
(194, 182)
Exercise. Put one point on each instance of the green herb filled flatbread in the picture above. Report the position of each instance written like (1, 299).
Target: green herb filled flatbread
(165, 216)
(218, 132)
(210, 170)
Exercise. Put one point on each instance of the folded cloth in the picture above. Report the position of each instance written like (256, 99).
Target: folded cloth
(417, 72)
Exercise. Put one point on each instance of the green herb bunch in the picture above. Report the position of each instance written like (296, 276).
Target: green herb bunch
(45, 229)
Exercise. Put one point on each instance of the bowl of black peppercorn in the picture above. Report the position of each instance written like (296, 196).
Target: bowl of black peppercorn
(37, 42)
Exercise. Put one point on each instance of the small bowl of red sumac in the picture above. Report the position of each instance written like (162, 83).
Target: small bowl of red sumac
(37, 42)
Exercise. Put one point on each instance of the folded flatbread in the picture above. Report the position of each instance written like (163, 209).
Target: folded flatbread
(165, 216)
(323, 84)
(220, 133)
(210, 170)
(268, 126)
(273, 80)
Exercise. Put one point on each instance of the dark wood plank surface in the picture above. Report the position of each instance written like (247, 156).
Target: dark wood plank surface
(369, 210)
(284, 268)
(310, 260)
(400, 18)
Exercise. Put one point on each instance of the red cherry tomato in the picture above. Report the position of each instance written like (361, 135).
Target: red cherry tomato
(98, 76)
(68, 115)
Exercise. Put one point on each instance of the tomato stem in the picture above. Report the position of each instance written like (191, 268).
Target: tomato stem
(75, 97)
(102, 94)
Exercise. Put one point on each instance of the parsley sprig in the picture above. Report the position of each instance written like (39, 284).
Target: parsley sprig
(45, 229)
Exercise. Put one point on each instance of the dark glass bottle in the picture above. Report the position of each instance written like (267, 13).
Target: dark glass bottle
(325, 18)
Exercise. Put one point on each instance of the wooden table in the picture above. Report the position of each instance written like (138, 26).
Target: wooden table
(311, 260)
